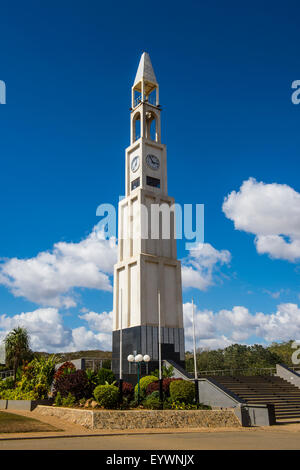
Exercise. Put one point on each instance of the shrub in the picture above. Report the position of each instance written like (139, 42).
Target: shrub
(107, 396)
(42, 370)
(6, 384)
(36, 376)
(18, 394)
(76, 383)
(41, 390)
(92, 378)
(152, 401)
(144, 382)
(167, 372)
(128, 390)
(188, 406)
(106, 364)
(33, 380)
(69, 401)
(66, 367)
(105, 375)
(182, 391)
(58, 399)
(154, 386)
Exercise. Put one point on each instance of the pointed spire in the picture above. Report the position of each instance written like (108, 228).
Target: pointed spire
(145, 70)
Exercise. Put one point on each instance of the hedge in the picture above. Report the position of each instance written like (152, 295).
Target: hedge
(107, 396)
(182, 391)
(144, 382)
(154, 386)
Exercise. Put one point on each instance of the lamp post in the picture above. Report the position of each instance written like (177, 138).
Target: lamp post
(138, 359)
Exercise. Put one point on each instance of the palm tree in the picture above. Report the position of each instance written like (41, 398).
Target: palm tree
(17, 348)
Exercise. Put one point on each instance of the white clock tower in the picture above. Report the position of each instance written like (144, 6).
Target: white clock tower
(147, 268)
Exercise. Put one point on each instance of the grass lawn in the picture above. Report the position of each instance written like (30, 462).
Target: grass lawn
(10, 422)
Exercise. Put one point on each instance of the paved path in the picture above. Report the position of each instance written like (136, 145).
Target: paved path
(180, 441)
(283, 436)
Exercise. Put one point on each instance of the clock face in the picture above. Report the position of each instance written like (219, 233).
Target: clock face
(153, 162)
(135, 163)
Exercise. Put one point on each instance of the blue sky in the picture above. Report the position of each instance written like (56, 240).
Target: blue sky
(225, 72)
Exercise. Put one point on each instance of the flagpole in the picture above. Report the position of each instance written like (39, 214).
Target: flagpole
(194, 339)
(159, 338)
(121, 348)
(195, 357)
(159, 351)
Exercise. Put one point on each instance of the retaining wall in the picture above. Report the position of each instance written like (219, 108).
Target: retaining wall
(26, 405)
(143, 419)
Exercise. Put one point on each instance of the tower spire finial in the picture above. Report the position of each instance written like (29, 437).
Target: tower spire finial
(145, 71)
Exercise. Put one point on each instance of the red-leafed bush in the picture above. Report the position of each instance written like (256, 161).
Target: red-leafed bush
(154, 386)
(75, 383)
(127, 389)
(63, 369)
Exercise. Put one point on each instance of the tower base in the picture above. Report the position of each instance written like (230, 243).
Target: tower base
(144, 340)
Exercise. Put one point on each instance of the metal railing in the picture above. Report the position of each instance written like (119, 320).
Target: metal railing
(6, 373)
(233, 372)
(150, 100)
(137, 101)
(95, 363)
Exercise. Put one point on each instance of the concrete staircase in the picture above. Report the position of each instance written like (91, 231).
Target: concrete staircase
(265, 389)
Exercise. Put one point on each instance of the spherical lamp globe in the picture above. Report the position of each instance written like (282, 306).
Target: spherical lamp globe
(138, 358)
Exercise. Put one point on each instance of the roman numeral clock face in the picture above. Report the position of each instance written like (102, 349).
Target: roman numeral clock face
(153, 162)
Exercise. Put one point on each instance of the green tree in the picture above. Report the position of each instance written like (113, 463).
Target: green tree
(261, 357)
(236, 356)
(283, 351)
(17, 348)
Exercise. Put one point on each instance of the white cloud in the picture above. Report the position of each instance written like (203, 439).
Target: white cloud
(222, 328)
(213, 329)
(201, 264)
(276, 294)
(45, 326)
(272, 213)
(84, 339)
(48, 332)
(101, 322)
(50, 277)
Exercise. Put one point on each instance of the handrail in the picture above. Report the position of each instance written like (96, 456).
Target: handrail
(250, 371)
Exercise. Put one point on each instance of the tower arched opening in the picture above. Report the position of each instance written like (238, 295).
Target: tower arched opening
(136, 126)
